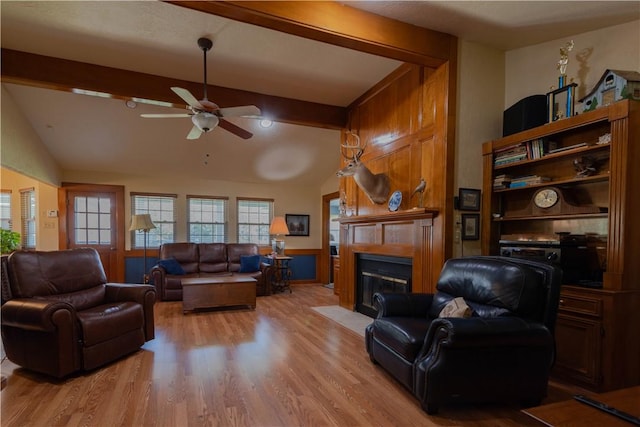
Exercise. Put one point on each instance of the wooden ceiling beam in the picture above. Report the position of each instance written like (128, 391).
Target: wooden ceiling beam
(61, 74)
(340, 25)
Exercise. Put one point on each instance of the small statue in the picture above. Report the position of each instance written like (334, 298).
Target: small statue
(420, 189)
(585, 166)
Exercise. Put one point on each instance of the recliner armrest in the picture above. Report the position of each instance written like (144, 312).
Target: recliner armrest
(128, 292)
(487, 332)
(33, 314)
(402, 305)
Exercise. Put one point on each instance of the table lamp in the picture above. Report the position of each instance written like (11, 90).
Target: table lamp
(278, 227)
(143, 223)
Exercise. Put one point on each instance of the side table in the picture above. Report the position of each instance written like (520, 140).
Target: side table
(282, 276)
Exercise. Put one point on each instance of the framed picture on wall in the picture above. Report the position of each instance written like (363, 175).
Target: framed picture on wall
(470, 226)
(468, 199)
(298, 225)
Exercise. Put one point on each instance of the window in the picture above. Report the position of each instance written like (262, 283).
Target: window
(206, 219)
(161, 207)
(5, 210)
(254, 217)
(28, 217)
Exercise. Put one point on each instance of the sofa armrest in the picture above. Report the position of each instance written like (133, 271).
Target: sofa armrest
(144, 295)
(402, 305)
(157, 276)
(33, 314)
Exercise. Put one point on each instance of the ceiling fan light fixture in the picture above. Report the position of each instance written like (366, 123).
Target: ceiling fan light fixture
(266, 123)
(205, 121)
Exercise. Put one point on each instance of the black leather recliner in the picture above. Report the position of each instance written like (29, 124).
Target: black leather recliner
(502, 353)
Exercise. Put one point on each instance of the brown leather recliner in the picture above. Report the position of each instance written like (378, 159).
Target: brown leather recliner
(204, 260)
(59, 314)
(502, 353)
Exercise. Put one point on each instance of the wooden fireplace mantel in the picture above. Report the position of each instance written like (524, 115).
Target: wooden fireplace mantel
(415, 213)
(407, 233)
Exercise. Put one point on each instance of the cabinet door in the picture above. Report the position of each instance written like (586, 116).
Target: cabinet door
(578, 349)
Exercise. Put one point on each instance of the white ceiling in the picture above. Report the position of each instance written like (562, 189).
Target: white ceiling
(87, 133)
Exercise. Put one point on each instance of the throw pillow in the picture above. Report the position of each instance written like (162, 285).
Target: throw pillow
(457, 307)
(249, 263)
(171, 266)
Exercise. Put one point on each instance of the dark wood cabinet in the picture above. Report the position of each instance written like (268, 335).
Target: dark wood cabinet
(596, 347)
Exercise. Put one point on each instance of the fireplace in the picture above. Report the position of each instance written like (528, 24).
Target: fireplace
(380, 273)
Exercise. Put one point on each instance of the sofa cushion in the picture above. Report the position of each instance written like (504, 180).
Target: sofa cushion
(236, 250)
(185, 253)
(404, 335)
(213, 257)
(171, 266)
(249, 263)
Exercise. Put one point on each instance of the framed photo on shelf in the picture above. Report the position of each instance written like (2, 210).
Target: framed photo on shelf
(469, 199)
(470, 226)
(298, 225)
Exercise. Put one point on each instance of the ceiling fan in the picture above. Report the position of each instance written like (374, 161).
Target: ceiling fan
(205, 114)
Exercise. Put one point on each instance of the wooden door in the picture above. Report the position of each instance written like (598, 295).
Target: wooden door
(93, 216)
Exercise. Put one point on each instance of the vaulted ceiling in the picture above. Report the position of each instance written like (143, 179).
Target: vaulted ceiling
(302, 70)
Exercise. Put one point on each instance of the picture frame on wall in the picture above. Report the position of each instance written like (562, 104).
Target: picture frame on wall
(469, 199)
(470, 226)
(298, 225)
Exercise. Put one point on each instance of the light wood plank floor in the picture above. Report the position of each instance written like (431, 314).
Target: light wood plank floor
(280, 365)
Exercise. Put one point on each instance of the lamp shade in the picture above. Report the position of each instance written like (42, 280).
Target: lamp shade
(278, 226)
(141, 222)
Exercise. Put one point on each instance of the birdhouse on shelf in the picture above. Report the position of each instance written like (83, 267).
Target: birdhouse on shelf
(613, 86)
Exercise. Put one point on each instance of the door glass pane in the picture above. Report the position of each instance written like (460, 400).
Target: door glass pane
(92, 220)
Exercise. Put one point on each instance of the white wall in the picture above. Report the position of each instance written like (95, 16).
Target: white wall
(479, 119)
(21, 148)
(532, 70)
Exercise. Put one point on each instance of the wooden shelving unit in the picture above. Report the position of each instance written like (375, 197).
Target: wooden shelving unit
(596, 347)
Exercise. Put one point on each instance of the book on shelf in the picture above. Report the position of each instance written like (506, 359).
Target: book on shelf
(570, 147)
(529, 150)
(524, 181)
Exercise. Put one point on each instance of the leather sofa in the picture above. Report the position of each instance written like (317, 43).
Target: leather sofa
(503, 352)
(206, 259)
(59, 314)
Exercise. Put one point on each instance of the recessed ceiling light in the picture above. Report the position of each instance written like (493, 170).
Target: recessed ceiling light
(266, 123)
(131, 103)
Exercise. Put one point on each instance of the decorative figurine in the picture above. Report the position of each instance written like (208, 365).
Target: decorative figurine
(562, 63)
(585, 166)
(420, 189)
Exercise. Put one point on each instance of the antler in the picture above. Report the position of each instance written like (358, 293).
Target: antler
(356, 149)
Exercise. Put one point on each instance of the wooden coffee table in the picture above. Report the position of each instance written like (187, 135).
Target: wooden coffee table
(222, 291)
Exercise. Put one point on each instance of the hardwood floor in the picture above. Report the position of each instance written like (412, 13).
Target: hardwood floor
(280, 365)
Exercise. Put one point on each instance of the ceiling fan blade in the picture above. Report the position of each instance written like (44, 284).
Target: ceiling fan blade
(245, 110)
(187, 97)
(236, 130)
(162, 116)
(194, 133)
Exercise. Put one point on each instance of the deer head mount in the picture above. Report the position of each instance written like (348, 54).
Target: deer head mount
(375, 186)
